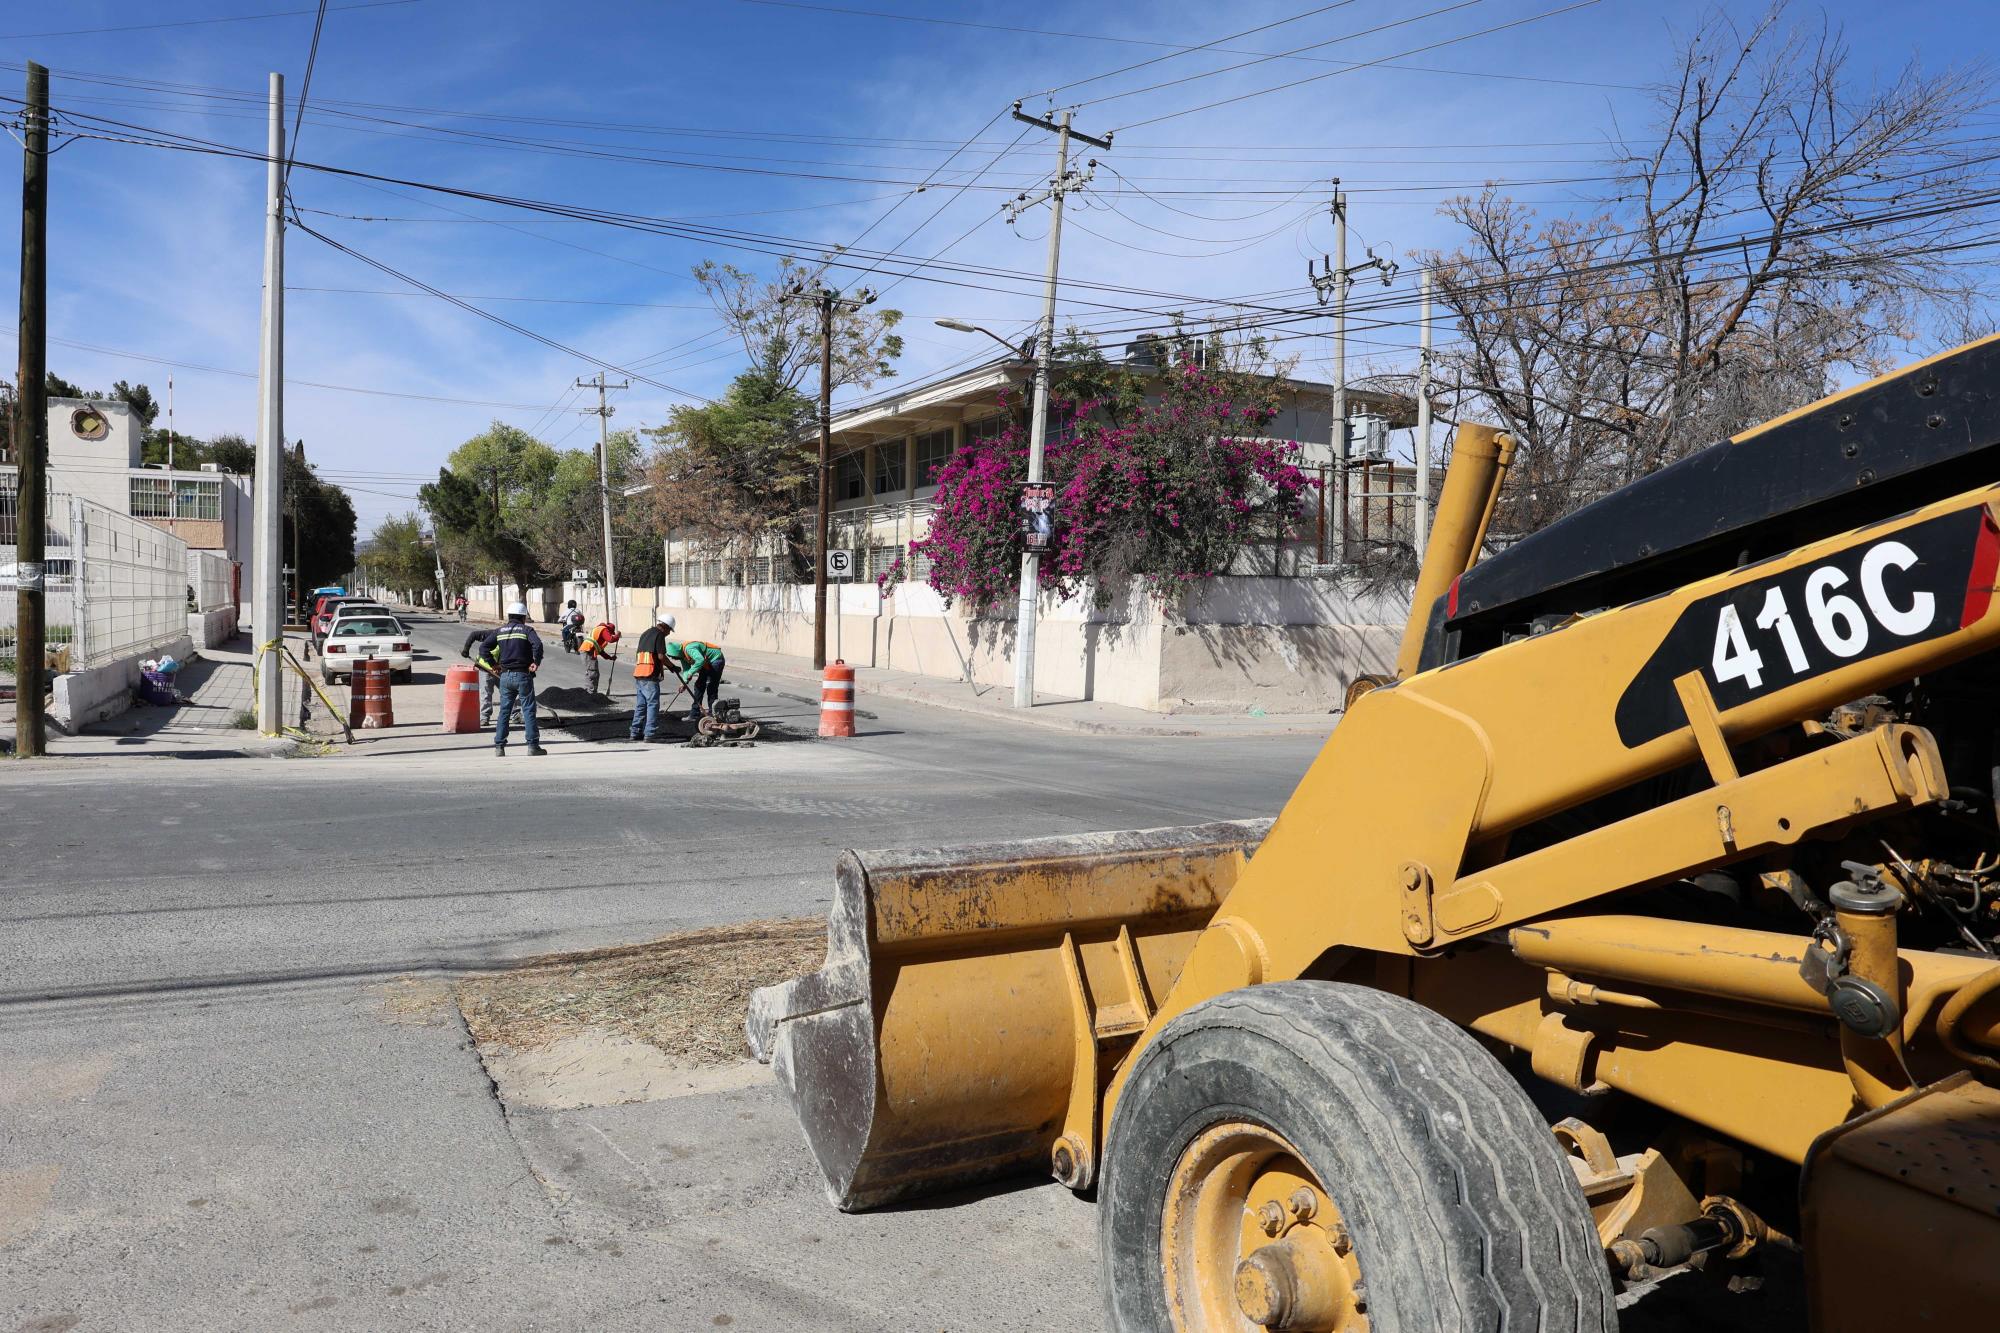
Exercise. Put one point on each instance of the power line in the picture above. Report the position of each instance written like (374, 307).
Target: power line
(1136, 41)
(1266, 59)
(196, 23)
(305, 88)
(251, 375)
(1190, 50)
(1366, 64)
(503, 322)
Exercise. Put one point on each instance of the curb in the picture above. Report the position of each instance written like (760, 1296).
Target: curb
(1072, 726)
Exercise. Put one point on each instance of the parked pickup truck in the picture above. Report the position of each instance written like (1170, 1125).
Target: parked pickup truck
(364, 634)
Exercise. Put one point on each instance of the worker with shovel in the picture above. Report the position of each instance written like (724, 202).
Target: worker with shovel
(649, 668)
(600, 642)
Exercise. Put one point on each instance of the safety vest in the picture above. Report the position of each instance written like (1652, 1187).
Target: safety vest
(601, 636)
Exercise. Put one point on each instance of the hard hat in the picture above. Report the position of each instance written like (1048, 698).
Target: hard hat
(517, 608)
(662, 618)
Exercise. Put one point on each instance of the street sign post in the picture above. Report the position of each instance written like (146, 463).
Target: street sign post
(840, 564)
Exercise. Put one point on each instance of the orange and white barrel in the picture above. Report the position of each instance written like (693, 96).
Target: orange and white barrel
(836, 700)
(461, 697)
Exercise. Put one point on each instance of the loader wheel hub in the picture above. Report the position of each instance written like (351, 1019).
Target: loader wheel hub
(1251, 1240)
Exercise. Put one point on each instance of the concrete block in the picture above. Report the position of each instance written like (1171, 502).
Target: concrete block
(96, 693)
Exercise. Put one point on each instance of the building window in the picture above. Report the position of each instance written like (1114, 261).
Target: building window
(989, 429)
(152, 497)
(199, 500)
(850, 477)
(933, 451)
(169, 498)
(889, 474)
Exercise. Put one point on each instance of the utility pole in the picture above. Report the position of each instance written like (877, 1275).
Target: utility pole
(829, 303)
(31, 426)
(170, 423)
(603, 413)
(1062, 184)
(266, 606)
(1333, 281)
(1420, 529)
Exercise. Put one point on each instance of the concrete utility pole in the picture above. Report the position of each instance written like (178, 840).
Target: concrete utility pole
(31, 427)
(1421, 524)
(170, 423)
(267, 602)
(829, 303)
(1063, 183)
(1333, 281)
(603, 414)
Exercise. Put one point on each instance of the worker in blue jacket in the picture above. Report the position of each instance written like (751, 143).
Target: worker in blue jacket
(513, 653)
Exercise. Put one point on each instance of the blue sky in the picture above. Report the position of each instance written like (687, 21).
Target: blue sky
(795, 124)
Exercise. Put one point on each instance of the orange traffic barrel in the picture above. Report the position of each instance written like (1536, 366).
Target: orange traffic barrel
(368, 695)
(461, 697)
(836, 700)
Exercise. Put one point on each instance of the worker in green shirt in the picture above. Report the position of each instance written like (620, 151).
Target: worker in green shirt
(699, 665)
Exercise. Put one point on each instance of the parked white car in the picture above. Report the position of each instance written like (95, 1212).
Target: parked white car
(358, 634)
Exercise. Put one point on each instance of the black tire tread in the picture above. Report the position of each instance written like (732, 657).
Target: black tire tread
(1538, 1264)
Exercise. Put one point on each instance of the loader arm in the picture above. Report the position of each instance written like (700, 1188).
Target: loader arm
(1394, 842)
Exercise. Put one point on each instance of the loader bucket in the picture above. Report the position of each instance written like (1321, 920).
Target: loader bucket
(966, 993)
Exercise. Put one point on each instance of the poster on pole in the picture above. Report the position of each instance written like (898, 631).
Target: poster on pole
(1037, 504)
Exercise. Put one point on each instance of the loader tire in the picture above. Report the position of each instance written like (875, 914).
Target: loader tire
(1436, 1199)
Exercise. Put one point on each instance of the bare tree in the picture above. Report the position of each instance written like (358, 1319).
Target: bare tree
(1780, 224)
(779, 314)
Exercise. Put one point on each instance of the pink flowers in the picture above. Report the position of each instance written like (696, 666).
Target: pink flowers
(1171, 497)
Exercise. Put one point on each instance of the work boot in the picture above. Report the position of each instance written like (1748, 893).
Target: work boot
(499, 752)
(536, 749)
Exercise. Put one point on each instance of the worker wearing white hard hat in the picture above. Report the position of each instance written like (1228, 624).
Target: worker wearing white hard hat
(649, 668)
(513, 653)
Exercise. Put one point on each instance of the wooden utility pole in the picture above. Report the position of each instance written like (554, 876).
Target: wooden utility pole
(829, 303)
(31, 427)
(1420, 528)
(822, 520)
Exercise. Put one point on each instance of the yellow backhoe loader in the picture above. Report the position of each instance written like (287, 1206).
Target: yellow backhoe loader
(1646, 919)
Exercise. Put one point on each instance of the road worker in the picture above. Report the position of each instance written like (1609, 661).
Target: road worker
(601, 641)
(487, 680)
(699, 665)
(649, 668)
(513, 652)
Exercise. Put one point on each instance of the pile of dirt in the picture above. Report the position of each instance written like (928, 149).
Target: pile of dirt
(565, 699)
(684, 994)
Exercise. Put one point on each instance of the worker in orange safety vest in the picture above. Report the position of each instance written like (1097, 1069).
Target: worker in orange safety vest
(600, 642)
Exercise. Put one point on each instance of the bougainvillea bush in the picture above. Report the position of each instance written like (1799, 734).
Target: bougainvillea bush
(1167, 491)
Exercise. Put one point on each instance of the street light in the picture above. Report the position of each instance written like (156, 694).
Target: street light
(1026, 351)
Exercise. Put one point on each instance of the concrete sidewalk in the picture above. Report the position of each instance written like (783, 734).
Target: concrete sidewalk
(216, 690)
(1050, 711)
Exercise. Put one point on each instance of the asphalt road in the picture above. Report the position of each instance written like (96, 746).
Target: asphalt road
(234, 1094)
(215, 1113)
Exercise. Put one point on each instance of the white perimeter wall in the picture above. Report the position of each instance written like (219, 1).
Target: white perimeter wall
(1283, 645)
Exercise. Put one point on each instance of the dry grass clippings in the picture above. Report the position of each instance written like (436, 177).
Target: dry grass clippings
(684, 993)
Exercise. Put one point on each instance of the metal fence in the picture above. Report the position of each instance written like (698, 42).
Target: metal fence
(128, 582)
(210, 574)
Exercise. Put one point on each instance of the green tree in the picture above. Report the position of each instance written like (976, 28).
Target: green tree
(489, 496)
(399, 555)
(729, 472)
